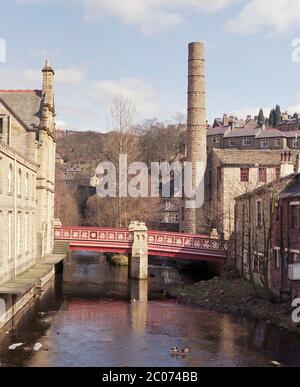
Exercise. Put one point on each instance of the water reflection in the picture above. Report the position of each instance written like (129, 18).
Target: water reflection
(139, 304)
(94, 316)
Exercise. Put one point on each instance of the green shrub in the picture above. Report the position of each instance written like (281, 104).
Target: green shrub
(119, 260)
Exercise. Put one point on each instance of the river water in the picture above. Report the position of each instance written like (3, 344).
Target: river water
(93, 316)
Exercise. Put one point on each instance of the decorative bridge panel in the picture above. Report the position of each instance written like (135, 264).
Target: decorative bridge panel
(86, 234)
(185, 241)
(159, 243)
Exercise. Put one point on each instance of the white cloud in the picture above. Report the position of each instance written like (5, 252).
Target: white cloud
(151, 16)
(71, 75)
(44, 53)
(61, 124)
(135, 89)
(62, 76)
(266, 16)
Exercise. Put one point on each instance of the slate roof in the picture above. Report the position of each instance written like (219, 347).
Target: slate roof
(243, 132)
(219, 130)
(292, 134)
(251, 157)
(26, 104)
(270, 185)
(270, 133)
(292, 190)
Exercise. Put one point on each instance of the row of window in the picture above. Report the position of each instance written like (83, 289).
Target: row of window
(24, 234)
(262, 174)
(258, 259)
(264, 144)
(293, 218)
(23, 183)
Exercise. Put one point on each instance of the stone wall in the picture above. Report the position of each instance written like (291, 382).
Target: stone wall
(17, 213)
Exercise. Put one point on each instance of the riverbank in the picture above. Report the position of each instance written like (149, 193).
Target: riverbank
(239, 298)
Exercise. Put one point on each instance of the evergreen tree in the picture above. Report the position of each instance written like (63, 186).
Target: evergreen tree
(261, 117)
(272, 118)
(278, 116)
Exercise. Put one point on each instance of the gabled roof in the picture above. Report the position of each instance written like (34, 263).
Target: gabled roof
(25, 104)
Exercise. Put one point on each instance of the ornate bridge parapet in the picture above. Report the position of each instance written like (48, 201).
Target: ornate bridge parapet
(138, 242)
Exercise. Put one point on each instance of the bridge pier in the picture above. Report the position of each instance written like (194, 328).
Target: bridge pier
(138, 259)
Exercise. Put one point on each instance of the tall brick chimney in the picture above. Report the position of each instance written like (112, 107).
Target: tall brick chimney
(196, 126)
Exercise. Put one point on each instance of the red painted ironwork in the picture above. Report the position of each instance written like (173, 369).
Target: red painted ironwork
(172, 245)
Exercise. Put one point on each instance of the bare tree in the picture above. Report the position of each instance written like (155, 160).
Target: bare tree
(66, 206)
(180, 118)
(122, 140)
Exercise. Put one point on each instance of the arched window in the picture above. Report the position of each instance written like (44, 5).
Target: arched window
(27, 186)
(10, 179)
(19, 183)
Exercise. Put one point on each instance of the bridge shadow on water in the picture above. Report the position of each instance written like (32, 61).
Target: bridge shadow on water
(89, 274)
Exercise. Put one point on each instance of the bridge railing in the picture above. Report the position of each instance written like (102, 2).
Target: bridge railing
(186, 241)
(93, 234)
(155, 238)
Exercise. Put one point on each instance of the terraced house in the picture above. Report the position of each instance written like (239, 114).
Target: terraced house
(27, 175)
(267, 242)
(249, 134)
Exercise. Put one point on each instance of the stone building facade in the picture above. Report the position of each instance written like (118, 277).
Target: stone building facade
(251, 136)
(267, 235)
(231, 173)
(27, 175)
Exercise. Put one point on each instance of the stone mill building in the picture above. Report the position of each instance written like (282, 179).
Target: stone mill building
(27, 175)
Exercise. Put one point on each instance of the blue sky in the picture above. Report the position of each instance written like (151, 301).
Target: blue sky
(139, 48)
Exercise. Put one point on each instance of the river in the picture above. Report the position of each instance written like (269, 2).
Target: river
(93, 316)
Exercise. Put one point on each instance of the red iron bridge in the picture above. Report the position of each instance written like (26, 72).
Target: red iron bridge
(160, 243)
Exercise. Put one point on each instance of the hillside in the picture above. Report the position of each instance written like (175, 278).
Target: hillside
(81, 148)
